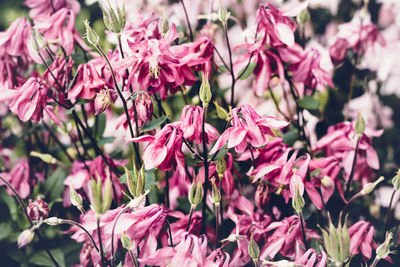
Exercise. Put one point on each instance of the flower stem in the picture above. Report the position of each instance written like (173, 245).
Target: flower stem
(388, 213)
(206, 181)
(84, 229)
(21, 203)
(353, 167)
(217, 219)
(112, 234)
(187, 20)
(190, 218)
(230, 64)
(303, 230)
(103, 259)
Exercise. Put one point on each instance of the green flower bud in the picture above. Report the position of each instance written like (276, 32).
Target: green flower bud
(215, 193)
(196, 193)
(53, 221)
(205, 91)
(141, 181)
(44, 157)
(303, 17)
(221, 166)
(369, 187)
(114, 16)
(90, 34)
(76, 199)
(127, 242)
(396, 180)
(298, 201)
(163, 26)
(130, 180)
(360, 125)
(253, 249)
(384, 249)
(223, 15)
(221, 112)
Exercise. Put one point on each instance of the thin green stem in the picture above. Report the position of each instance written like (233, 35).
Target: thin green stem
(64, 221)
(303, 230)
(353, 168)
(103, 259)
(206, 181)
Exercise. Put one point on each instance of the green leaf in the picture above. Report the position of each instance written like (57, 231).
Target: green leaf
(154, 124)
(291, 137)
(42, 259)
(222, 68)
(55, 184)
(222, 152)
(150, 179)
(106, 140)
(101, 124)
(308, 102)
(247, 71)
(6, 229)
(11, 204)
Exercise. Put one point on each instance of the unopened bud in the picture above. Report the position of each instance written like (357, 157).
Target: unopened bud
(360, 125)
(396, 180)
(114, 16)
(44, 157)
(303, 17)
(37, 209)
(196, 194)
(205, 91)
(298, 200)
(25, 238)
(76, 199)
(223, 15)
(253, 249)
(102, 101)
(327, 182)
(53, 221)
(163, 26)
(384, 249)
(144, 106)
(127, 242)
(221, 112)
(221, 166)
(90, 34)
(369, 187)
(215, 193)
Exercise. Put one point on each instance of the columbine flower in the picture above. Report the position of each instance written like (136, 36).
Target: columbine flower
(18, 178)
(25, 238)
(14, 41)
(144, 106)
(87, 83)
(164, 149)
(190, 123)
(248, 128)
(37, 209)
(43, 9)
(361, 238)
(312, 258)
(102, 101)
(29, 101)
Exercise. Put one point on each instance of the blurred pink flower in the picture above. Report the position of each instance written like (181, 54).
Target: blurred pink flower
(14, 41)
(18, 177)
(45, 8)
(311, 258)
(248, 128)
(361, 238)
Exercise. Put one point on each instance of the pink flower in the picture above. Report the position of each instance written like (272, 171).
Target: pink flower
(340, 142)
(45, 8)
(178, 228)
(191, 251)
(18, 177)
(190, 123)
(144, 106)
(361, 238)
(14, 41)
(29, 101)
(248, 128)
(164, 149)
(310, 258)
(287, 239)
(61, 69)
(37, 209)
(87, 83)
(25, 238)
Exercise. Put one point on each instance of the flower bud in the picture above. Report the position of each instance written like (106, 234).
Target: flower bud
(44, 157)
(37, 209)
(221, 166)
(37, 40)
(114, 16)
(384, 249)
(298, 200)
(327, 182)
(163, 25)
(303, 17)
(360, 125)
(215, 193)
(221, 112)
(25, 238)
(76, 199)
(144, 106)
(396, 180)
(53, 221)
(223, 15)
(102, 101)
(369, 187)
(127, 242)
(196, 193)
(253, 249)
(205, 91)
(107, 196)
(261, 196)
(90, 34)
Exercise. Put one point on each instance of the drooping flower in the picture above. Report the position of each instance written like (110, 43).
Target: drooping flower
(164, 149)
(311, 258)
(37, 209)
(248, 128)
(190, 123)
(45, 8)
(18, 177)
(361, 239)
(14, 41)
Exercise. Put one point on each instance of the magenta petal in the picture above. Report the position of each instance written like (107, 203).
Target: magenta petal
(154, 155)
(236, 137)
